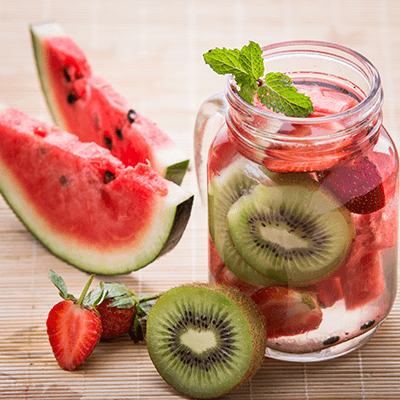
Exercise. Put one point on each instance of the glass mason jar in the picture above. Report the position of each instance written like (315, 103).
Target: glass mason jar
(303, 212)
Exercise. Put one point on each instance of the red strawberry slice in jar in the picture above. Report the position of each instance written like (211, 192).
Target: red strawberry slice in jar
(288, 311)
(357, 185)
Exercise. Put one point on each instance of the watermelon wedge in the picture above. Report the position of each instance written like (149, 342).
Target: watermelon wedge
(84, 204)
(90, 108)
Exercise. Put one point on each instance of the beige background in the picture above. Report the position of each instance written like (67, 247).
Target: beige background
(151, 51)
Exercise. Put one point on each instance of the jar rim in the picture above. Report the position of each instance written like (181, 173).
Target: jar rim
(364, 66)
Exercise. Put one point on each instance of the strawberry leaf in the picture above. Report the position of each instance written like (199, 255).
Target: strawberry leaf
(136, 331)
(101, 296)
(60, 284)
(122, 296)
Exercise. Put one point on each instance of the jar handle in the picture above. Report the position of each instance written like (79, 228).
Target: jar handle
(210, 118)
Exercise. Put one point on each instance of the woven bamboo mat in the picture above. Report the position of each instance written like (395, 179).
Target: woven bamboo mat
(151, 51)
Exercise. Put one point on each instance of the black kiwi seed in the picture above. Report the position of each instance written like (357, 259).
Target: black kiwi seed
(108, 176)
(131, 116)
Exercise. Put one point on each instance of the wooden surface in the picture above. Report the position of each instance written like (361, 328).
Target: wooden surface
(151, 51)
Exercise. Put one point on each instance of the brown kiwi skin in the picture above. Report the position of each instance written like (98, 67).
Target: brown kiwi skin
(255, 321)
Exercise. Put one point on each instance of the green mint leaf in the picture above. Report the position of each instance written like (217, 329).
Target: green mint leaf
(248, 91)
(251, 59)
(278, 93)
(225, 61)
(60, 284)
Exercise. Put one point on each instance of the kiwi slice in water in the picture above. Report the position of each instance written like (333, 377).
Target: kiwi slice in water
(293, 234)
(205, 340)
(236, 180)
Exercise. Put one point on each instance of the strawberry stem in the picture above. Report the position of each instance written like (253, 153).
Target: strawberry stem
(85, 290)
(147, 298)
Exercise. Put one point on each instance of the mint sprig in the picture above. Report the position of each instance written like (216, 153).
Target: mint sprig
(276, 91)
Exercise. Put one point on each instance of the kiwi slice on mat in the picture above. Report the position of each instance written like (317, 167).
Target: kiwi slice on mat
(225, 189)
(293, 234)
(205, 340)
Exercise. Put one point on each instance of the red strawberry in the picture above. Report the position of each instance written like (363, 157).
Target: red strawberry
(116, 321)
(73, 326)
(287, 311)
(328, 291)
(357, 185)
(121, 310)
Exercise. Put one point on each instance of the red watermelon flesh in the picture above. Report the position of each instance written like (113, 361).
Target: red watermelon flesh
(83, 203)
(362, 280)
(361, 276)
(87, 106)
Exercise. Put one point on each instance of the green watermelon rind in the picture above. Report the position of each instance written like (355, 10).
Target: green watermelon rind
(46, 29)
(170, 223)
(176, 172)
(171, 162)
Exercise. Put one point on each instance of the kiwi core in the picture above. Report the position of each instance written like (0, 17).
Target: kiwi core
(199, 341)
(282, 236)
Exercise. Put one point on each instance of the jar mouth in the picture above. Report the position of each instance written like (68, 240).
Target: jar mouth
(353, 62)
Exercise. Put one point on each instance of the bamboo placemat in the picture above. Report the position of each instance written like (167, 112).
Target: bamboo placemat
(151, 51)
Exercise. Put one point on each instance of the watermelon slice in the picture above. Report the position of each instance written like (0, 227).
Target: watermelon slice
(82, 203)
(362, 280)
(90, 108)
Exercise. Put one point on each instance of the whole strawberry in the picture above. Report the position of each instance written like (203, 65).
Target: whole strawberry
(116, 320)
(121, 310)
(357, 185)
(74, 327)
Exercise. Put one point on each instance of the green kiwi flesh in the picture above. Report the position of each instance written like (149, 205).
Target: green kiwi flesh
(292, 234)
(205, 340)
(224, 190)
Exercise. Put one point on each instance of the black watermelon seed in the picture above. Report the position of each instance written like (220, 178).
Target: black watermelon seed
(71, 98)
(108, 177)
(108, 142)
(331, 340)
(367, 324)
(63, 180)
(119, 133)
(131, 116)
(66, 75)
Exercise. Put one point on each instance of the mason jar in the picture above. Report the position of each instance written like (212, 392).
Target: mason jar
(303, 212)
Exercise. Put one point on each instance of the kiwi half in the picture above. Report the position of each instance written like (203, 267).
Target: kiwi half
(205, 340)
(293, 234)
(236, 180)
